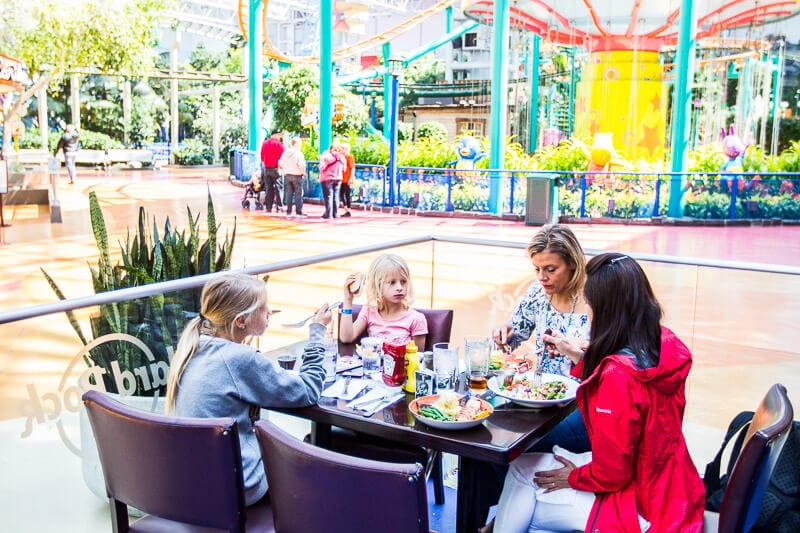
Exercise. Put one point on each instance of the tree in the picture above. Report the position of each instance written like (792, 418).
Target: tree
(51, 38)
(287, 93)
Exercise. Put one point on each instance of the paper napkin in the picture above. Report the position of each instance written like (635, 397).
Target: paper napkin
(337, 389)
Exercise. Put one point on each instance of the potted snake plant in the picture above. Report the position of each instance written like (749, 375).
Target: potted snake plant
(132, 341)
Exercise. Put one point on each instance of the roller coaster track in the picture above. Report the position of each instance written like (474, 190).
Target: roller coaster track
(346, 51)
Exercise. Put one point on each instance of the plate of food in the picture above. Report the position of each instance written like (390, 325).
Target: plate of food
(554, 390)
(450, 410)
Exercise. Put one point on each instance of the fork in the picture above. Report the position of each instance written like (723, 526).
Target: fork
(537, 374)
(302, 323)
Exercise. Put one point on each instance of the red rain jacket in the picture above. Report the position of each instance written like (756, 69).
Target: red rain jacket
(640, 462)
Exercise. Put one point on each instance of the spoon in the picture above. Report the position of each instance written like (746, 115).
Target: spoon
(302, 323)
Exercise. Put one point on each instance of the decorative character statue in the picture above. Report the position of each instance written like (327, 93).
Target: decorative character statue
(601, 153)
(735, 150)
(552, 137)
(469, 152)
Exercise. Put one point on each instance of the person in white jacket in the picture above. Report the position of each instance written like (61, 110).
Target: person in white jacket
(292, 165)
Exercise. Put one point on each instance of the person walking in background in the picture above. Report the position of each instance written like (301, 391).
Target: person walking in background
(639, 475)
(293, 166)
(271, 152)
(68, 143)
(347, 178)
(331, 167)
(215, 374)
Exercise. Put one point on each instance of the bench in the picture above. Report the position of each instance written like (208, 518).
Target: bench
(104, 158)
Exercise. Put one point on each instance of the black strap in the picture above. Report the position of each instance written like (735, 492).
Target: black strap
(711, 477)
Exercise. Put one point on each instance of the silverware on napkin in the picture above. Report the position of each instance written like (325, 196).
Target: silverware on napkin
(384, 404)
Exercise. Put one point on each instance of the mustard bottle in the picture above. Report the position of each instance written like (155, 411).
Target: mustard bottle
(412, 365)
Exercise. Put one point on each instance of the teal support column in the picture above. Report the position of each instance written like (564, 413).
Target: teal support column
(533, 111)
(499, 102)
(448, 20)
(682, 105)
(255, 83)
(572, 81)
(325, 73)
(387, 80)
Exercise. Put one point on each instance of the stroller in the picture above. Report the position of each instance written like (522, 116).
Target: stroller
(254, 191)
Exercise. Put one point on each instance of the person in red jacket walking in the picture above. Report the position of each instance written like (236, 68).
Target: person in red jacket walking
(638, 476)
(271, 152)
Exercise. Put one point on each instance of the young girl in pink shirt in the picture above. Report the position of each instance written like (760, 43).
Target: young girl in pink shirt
(387, 313)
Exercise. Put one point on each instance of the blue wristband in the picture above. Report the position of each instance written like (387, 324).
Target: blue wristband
(345, 311)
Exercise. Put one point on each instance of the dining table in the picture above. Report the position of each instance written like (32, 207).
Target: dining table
(507, 433)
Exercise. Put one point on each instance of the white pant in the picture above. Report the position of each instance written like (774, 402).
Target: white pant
(524, 507)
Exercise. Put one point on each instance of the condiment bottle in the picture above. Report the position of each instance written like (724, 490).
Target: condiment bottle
(394, 363)
(411, 364)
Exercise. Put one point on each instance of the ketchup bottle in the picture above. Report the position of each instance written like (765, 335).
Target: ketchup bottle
(394, 363)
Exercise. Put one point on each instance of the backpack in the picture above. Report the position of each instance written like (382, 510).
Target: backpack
(780, 508)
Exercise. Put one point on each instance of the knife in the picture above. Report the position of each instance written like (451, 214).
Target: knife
(384, 404)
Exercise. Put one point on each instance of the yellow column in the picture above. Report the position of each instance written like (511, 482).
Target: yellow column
(621, 93)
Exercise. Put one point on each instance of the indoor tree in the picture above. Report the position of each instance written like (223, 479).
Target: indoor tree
(55, 37)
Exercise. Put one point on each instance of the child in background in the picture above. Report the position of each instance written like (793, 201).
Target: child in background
(387, 313)
(345, 194)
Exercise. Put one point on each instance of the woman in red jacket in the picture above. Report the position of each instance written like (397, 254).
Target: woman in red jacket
(638, 476)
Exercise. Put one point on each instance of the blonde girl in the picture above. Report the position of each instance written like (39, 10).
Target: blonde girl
(387, 313)
(214, 374)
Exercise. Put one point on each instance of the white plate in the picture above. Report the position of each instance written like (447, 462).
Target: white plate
(441, 424)
(572, 387)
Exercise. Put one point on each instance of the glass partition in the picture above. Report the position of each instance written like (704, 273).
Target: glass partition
(738, 323)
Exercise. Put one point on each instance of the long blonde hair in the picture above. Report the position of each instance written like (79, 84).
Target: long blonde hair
(224, 299)
(379, 269)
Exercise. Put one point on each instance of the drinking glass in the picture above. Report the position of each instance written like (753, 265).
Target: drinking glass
(445, 364)
(329, 361)
(476, 354)
(371, 355)
(287, 361)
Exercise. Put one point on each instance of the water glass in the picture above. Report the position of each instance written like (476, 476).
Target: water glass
(329, 360)
(476, 354)
(287, 361)
(445, 364)
(371, 353)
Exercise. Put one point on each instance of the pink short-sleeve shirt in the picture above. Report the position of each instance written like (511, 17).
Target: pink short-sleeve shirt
(408, 325)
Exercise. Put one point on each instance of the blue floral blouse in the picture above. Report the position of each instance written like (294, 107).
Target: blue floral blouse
(536, 314)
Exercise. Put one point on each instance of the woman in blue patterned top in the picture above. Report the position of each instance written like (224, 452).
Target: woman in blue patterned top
(555, 303)
(552, 310)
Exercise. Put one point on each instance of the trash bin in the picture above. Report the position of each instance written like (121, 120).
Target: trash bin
(541, 206)
(231, 159)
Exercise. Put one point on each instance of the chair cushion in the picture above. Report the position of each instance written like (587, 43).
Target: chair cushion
(349, 442)
(259, 520)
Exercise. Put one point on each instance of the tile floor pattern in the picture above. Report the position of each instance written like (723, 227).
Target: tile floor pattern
(732, 372)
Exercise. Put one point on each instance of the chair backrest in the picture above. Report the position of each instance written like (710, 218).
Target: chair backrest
(440, 324)
(181, 469)
(762, 446)
(313, 489)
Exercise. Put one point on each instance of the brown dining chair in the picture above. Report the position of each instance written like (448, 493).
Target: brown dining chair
(762, 446)
(314, 490)
(185, 473)
(440, 325)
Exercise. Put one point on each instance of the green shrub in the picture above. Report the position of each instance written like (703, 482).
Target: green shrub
(194, 152)
(432, 130)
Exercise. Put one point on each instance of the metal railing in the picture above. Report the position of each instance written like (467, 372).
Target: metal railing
(625, 195)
